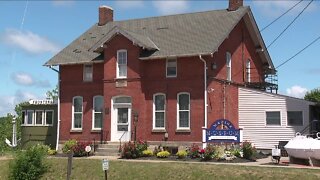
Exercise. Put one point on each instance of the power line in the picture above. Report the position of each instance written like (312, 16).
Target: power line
(280, 16)
(298, 52)
(290, 23)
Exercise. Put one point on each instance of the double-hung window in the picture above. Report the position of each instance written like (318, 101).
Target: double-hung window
(159, 109)
(77, 113)
(228, 65)
(295, 118)
(87, 72)
(183, 114)
(30, 117)
(39, 117)
(273, 118)
(49, 117)
(97, 113)
(171, 67)
(122, 63)
(248, 73)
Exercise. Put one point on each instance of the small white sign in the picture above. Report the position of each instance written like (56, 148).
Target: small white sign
(105, 164)
(88, 149)
(223, 137)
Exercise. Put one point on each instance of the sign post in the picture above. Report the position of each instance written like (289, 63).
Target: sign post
(105, 167)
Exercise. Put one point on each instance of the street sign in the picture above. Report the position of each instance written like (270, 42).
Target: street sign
(105, 164)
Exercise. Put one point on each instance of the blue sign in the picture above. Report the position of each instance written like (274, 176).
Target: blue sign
(222, 131)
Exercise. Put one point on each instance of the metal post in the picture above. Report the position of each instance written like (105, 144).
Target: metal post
(106, 175)
(14, 132)
(69, 168)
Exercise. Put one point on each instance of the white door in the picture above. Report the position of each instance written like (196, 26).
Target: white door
(121, 120)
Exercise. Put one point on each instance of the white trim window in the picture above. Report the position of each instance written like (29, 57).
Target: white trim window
(273, 118)
(159, 111)
(97, 112)
(49, 117)
(183, 110)
(122, 63)
(29, 118)
(171, 67)
(228, 66)
(77, 109)
(248, 70)
(295, 118)
(39, 118)
(87, 72)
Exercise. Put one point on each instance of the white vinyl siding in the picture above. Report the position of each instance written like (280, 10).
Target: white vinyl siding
(159, 111)
(77, 110)
(87, 72)
(171, 67)
(228, 66)
(253, 105)
(122, 63)
(97, 112)
(183, 111)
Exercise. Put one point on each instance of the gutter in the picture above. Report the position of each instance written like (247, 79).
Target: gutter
(58, 124)
(205, 101)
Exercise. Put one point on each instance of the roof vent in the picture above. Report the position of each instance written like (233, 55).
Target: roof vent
(235, 4)
(105, 15)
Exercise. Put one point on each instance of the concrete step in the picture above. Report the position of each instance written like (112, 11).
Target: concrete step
(107, 150)
(115, 146)
(107, 154)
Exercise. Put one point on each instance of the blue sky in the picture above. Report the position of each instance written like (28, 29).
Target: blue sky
(28, 41)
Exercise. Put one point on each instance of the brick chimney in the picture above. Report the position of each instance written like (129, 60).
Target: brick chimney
(235, 4)
(105, 15)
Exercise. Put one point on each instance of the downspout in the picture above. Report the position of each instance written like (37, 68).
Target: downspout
(205, 102)
(58, 123)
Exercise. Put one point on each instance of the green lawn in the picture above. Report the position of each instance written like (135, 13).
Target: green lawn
(92, 169)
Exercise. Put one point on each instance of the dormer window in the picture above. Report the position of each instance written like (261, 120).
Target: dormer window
(122, 63)
(87, 72)
(171, 67)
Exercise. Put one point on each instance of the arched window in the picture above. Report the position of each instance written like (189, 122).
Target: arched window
(159, 111)
(183, 108)
(228, 65)
(77, 109)
(97, 112)
(248, 73)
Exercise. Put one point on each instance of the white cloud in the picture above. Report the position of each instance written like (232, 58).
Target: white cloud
(29, 41)
(8, 103)
(129, 4)
(26, 79)
(171, 7)
(62, 2)
(277, 7)
(296, 91)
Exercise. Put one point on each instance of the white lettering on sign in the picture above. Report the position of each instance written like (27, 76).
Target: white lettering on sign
(105, 164)
(222, 137)
(40, 102)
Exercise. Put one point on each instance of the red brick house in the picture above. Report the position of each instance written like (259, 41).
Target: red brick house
(177, 73)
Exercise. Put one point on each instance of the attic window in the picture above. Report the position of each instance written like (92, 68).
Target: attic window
(87, 72)
(171, 67)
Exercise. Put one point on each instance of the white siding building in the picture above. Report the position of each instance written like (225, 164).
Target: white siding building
(268, 118)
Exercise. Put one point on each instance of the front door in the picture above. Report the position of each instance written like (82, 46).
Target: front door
(121, 121)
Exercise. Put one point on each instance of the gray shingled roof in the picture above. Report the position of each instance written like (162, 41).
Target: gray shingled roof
(175, 35)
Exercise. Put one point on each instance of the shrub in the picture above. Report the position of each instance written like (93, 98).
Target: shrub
(157, 149)
(219, 152)
(68, 145)
(141, 146)
(29, 164)
(147, 153)
(51, 151)
(236, 152)
(207, 153)
(182, 154)
(129, 151)
(248, 150)
(163, 154)
(79, 149)
(194, 151)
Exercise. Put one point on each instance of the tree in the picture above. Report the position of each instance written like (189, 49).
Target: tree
(53, 94)
(313, 95)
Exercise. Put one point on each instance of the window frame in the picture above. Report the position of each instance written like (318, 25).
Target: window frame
(118, 65)
(73, 113)
(154, 111)
(248, 71)
(228, 66)
(302, 120)
(32, 118)
(280, 115)
(85, 72)
(94, 112)
(35, 118)
(178, 112)
(45, 117)
(176, 67)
